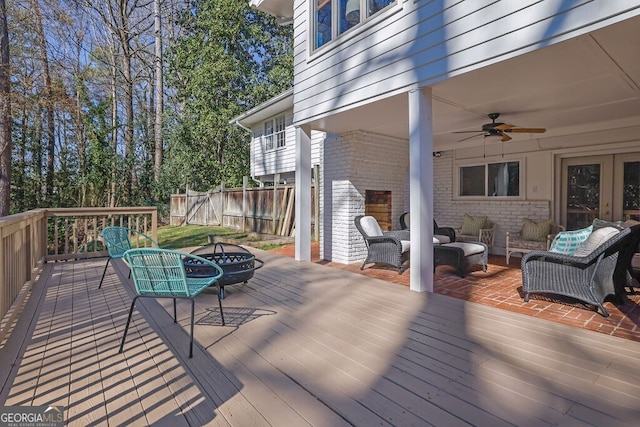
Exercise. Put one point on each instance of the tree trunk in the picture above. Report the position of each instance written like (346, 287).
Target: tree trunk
(48, 95)
(5, 114)
(114, 126)
(80, 132)
(129, 129)
(158, 93)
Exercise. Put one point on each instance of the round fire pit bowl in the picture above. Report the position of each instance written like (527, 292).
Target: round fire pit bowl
(237, 264)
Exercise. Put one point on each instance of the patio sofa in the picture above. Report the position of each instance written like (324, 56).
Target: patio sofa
(586, 274)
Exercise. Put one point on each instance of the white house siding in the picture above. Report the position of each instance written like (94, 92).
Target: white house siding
(415, 43)
(280, 160)
(349, 170)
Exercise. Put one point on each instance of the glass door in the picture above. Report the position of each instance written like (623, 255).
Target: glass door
(605, 187)
(586, 190)
(627, 194)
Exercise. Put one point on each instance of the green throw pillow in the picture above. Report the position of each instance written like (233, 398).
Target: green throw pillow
(567, 242)
(536, 231)
(471, 226)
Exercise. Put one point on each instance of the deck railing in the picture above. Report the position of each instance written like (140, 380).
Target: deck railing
(29, 239)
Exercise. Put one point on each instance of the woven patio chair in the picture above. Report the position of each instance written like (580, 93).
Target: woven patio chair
(588, 278)
(160, 273)
(624, 268)
(533, 236)
(441, 234)
(476, 229)
(383, 247)
(119, 240)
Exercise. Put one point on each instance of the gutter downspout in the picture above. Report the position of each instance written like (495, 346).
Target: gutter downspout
(240, 125)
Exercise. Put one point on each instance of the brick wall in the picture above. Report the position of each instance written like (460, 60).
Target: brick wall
(507, 215)
(353, 163)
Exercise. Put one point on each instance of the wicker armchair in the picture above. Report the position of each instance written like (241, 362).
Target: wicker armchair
(383, 247)
(441, 234)
(587, 278)
(624, 272)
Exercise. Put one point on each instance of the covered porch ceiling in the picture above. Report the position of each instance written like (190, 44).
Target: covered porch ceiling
(587, 84)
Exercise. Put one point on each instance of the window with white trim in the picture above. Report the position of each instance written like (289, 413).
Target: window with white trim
(274, 133)
(334, 17)
(501, 179)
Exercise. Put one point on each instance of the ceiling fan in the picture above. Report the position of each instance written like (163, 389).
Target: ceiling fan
(500, 129)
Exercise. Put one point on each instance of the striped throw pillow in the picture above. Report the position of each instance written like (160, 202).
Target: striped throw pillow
(472, 225)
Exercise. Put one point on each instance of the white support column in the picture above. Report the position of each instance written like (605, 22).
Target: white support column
(303, 194)
(421, 189)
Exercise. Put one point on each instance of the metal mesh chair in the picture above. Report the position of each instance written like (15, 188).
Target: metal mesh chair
(160, 273)
(119, 240)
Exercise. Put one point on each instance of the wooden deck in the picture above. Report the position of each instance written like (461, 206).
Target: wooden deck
(306, 344)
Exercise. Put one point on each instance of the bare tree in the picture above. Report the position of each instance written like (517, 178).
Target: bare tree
(158, 92)
(5, 114)
(126, 20)
(48, 96)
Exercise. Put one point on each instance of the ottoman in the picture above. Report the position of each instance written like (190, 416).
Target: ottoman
(461, 255)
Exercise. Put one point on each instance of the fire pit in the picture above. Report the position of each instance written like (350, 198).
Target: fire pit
(237, 264)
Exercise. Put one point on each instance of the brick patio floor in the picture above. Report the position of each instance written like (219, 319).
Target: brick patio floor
(501, 287)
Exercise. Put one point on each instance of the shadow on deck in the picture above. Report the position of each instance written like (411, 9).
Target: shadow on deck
(308, 345)
(501, 287)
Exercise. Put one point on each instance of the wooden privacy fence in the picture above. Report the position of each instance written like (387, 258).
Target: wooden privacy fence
(263, 210)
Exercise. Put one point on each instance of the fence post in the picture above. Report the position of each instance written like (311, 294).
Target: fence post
(245, 183)
(186, 202)
(222, 203)
(274, 209)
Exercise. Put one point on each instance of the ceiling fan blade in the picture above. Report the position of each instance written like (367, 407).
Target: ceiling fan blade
(472, 136)
(505, 137)
(525, 130)
(504, 126)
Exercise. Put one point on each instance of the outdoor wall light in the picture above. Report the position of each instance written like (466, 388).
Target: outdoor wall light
(437, 154)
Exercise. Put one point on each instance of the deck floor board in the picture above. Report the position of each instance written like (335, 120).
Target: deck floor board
(306, 344)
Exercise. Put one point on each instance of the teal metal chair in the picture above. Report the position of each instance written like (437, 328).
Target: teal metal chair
(160, 273)
(119, 240)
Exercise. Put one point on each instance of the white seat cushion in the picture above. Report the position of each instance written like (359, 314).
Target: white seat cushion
(370, 226)
(467, 248)
(405, 245)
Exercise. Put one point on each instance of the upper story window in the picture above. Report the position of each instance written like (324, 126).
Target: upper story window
(490, 180)
(274, 133)
(334, 17)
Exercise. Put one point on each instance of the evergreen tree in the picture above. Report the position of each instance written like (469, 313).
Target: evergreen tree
(229, 59)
